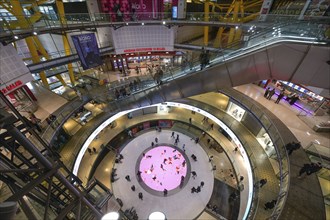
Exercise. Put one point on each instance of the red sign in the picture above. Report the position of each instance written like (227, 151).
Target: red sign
(11, 87)
(145, 49)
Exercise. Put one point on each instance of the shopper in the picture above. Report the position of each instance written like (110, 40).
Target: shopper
(172, 136)
(140, 195)
(280, 96)
(270, 205)
(266, 92)
(271, 93)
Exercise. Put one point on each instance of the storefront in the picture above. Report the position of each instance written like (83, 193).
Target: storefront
(141, 60)
(235, 111)
(20, 96)
(14, 77)
(304, 98)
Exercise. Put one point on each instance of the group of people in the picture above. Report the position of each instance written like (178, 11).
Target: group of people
(308, 169)
(91, 152)
(126, 90)
(271, 91)
(198, 188)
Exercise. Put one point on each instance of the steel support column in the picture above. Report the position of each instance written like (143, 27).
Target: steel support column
(23, 23)
(206, 18)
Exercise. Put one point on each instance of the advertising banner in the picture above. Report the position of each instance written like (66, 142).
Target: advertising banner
(87, 50)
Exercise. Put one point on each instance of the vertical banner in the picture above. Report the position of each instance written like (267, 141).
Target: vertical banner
(266, 5)
(87, 50)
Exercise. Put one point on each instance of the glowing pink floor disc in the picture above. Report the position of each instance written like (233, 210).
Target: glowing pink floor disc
(162, 168)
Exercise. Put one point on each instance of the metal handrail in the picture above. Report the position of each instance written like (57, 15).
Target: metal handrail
(279, 148)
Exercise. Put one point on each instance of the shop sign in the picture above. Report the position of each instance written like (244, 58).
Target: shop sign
(12, 87)
(145, 49)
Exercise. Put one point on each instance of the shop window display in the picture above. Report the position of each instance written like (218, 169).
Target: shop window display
(235, 111)
(266, 143)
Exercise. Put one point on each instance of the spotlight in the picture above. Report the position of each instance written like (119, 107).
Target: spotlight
(16, 37)
(236, 27)
(142, 23)
(35, 33)
(164, 22)
(111, 216)
(127, 24)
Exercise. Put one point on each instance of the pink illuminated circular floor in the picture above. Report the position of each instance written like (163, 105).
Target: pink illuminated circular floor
(162, 168)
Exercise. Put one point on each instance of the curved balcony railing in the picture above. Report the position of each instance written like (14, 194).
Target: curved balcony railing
(52, 23)
(279, 146)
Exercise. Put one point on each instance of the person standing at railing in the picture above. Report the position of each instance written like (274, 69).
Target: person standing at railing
(202, 58)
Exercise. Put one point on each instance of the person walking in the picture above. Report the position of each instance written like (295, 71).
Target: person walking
(89, 151)
(262, 182)
(194, 174)
(190, 120)
(156, 140)
(172, 136)
(133, 188)
(152, 144)
(184, 147)
(266, 92)
(165, 192)
(270, 94)
(270, 205)
(140, 195)
(94, 150)
(128, 178)
(280, 96)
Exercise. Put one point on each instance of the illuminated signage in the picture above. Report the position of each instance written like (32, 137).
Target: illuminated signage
(12, 87)
(145, 49)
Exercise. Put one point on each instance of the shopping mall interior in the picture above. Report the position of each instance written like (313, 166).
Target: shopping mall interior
(165, 109)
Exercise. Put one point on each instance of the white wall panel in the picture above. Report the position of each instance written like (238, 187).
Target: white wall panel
(13, 72)
(143, 38)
